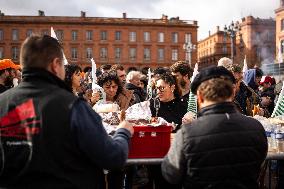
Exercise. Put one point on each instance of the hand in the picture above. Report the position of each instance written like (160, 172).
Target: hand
(265, 101)
(126, 125)
(188, 118)
(95, 97)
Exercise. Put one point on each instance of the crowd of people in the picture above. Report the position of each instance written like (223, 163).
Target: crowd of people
(54, 139)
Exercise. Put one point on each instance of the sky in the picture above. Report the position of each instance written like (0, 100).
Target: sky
(208, 13)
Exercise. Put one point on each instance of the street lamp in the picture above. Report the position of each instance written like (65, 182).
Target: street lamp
(232, 31)
(188, 47)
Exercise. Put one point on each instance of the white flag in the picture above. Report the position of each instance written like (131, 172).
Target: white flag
(245, 67)
(53, 34)
(94, 70)
(149, 85)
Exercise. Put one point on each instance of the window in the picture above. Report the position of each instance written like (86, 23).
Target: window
(174, 54)
(1, 35)
(147, 54)
(15, 53)
(258, 53)
(117, 53)
(132, 53)
(89, 52)
(103, 35)
(258, 37)
(1, 52)
(74, 53)
(225, 49)
(15, 35)
(59, 34)
(174, 37)
(146, 36)
(118, 35)
(187, 37)
(161, 37)
(89, 35)
(132, 36)
(282, 24)
(161, 53)
(74, 35)
(103, 53)
(29, 32)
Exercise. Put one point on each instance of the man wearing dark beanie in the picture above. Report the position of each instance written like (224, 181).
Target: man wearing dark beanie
(221, 148)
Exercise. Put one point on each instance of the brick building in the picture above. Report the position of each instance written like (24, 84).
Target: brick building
(255, 40)
(212, 48)
(279, 16)
(135, 42)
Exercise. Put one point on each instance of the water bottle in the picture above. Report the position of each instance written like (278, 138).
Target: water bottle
(280, 138)
(273, 143)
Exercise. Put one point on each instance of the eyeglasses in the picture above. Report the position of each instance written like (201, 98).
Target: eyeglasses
(161, 88)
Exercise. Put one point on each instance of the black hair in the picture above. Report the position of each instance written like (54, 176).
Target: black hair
(171, 80)
(258, 72)
(161, 70)
(105, 67)
(108, 77)
(70, 69)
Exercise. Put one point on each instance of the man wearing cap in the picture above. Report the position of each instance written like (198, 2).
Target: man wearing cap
(267, 95)
(5, 67)
(221, 148)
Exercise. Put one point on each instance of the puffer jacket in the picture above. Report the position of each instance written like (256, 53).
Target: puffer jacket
(221, 146)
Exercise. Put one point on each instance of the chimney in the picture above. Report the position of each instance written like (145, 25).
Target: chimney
(209, 33)
(41, 13)
(218, 28)
(83, 14)
(164, 17)
(124, 15)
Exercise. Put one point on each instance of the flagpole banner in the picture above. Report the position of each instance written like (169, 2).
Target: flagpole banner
(95, 86)
(245, 66)
(279, 108)
(192, 100)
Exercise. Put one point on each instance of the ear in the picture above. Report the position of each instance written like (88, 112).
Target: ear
(55, 66)
(200, 98)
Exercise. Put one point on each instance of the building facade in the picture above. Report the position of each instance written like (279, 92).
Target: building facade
(254, 39)
(133, 42)
(214, 47)
(279, 17)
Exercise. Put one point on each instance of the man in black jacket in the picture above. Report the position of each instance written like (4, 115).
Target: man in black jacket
(221, 148)
(49, 137)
